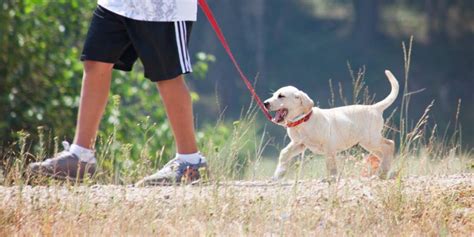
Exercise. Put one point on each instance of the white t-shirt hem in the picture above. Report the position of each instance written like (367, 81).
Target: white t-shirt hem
(153, 10)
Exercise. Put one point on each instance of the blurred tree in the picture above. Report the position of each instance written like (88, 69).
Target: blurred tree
(437, 18)
(366, 20)
(39, 70)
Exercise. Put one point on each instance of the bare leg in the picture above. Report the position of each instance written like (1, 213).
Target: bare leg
(178, 105)
(94, 94)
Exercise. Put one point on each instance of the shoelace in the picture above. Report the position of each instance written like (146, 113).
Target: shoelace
(174, 165)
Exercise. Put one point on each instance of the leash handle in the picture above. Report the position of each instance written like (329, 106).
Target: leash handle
(215, 26)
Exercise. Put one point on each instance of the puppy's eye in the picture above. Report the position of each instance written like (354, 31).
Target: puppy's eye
(281, 96)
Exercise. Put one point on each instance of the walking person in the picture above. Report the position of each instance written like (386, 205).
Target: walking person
(121, 31)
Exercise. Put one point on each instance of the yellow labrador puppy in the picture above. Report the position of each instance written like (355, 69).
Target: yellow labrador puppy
(329, 131)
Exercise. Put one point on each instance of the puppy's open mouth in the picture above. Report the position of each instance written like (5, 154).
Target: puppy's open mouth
(280, 115)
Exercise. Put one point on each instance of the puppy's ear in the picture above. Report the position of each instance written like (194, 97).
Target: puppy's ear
(306, 102)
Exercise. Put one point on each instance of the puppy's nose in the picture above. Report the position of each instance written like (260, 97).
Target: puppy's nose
(267, 104)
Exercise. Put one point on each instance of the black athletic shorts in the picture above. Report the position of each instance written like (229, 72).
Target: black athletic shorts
(161, 46)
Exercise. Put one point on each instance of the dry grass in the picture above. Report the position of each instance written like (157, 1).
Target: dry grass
(413, 206)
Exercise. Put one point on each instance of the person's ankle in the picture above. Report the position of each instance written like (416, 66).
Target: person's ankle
(193, 158)
(84, 154)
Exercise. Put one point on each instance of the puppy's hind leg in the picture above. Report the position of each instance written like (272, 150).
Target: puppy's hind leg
(290, 151)
(384, 149)
(388, 148)
(331, 168)
(331, 165)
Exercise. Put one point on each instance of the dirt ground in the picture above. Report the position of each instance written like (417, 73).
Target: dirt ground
(416, 205)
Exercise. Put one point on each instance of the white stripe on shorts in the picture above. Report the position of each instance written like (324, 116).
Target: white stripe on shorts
(188, 60)
(178, 43)
(182, 31)
(182, 49)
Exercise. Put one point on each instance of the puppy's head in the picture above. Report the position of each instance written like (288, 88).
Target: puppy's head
(288, 102)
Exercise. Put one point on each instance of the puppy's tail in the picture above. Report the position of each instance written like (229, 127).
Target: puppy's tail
(385, 103)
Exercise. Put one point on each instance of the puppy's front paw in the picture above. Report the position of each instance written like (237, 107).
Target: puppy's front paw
(274, 178)
(279, 172)
(393, 174)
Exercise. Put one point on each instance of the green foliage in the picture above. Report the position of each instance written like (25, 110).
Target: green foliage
(40, 43)
(201, 67)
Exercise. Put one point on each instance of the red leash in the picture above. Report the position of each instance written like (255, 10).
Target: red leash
(210, 16)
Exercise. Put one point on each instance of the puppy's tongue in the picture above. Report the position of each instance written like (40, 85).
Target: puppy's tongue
(279, 115)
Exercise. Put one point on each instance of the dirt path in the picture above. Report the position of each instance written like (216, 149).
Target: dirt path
(416, 205)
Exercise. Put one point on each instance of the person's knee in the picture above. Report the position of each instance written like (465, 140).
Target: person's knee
(95, 67)
(174, 84)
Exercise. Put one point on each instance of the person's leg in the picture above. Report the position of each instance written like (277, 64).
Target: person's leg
(188, 166)
(78, 161)
(107, 46)
(162, 47)
(94, 95)
(178, 105)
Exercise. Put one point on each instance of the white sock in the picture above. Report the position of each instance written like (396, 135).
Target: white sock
(84, 154)
(193, 158)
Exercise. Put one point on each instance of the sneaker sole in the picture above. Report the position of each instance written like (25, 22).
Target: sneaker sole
(36, 174)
